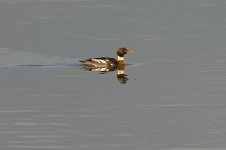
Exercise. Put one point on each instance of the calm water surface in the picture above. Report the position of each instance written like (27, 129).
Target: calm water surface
(175, 100)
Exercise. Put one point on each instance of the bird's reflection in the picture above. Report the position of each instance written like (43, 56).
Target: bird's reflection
(121, 76)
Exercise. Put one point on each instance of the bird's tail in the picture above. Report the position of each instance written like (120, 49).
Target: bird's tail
(82, 61)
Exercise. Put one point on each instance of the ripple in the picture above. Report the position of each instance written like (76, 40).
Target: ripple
(101, 5)
(40, 124)
(107, 39)
(39, 147)
(17, 111)
(46, 17)
(12, 58)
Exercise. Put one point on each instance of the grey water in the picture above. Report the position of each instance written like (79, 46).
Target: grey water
(175, 98)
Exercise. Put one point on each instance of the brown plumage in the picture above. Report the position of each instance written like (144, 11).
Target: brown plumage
(101, 62)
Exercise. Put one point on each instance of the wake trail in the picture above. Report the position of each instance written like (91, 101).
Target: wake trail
(12, 58)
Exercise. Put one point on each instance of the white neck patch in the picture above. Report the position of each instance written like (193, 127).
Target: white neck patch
(120, 58)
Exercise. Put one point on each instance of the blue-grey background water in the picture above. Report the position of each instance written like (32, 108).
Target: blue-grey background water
(176, 98)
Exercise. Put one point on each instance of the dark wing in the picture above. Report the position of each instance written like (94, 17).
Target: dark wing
(101, 60)
(108, 60)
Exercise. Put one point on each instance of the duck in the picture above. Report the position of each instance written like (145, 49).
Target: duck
(108, 62)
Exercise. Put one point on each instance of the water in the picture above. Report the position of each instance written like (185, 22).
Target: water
(175, 98)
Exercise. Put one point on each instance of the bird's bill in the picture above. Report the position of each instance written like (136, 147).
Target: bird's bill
(131, 51)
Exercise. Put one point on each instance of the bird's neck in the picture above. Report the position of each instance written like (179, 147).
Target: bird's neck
(121, 60)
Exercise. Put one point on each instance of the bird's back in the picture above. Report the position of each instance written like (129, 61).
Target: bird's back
(100, 62)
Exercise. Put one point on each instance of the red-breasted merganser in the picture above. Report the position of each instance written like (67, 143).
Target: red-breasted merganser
(102, 62)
